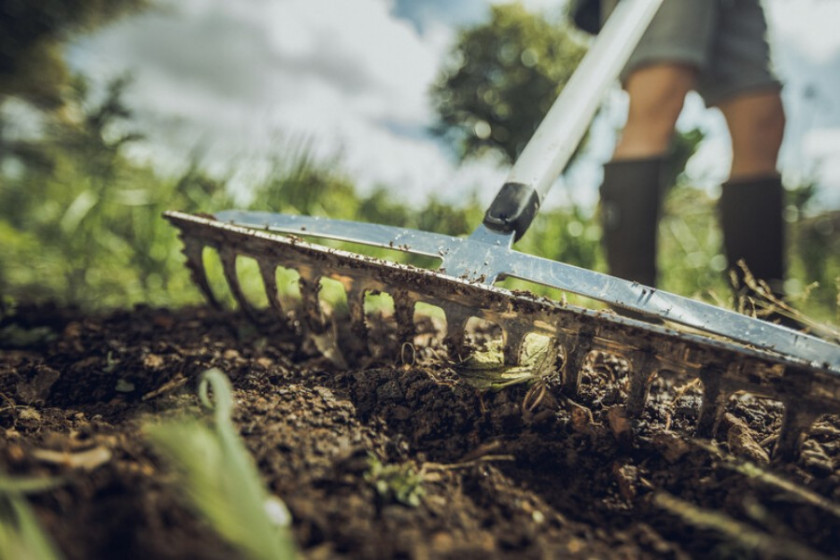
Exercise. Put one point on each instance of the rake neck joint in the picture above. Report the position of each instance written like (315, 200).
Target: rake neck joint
(513, 209)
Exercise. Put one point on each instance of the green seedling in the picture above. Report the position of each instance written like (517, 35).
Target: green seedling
(401, 483)
(21, 537)
(219, 479)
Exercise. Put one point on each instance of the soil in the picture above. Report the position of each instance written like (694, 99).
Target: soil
(523, 472)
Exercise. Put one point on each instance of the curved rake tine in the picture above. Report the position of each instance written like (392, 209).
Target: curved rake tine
(404, 305)
(268, 272)
(640, 378)
(577, 347)
(313, 316)
(514, 337)
(714, 400)
(194, 251)
(318, 329)
(799, 414)
(796, 421)
(356, 308)
(352, 333)
(228, 258)
(456, 330)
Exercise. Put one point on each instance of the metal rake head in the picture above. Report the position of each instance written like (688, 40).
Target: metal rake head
(806, 390)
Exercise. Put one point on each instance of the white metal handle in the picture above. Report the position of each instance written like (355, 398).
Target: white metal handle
(555, 140)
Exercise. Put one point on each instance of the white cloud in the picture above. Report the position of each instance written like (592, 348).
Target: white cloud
(233, 76)
(811, 25)
(236, 77)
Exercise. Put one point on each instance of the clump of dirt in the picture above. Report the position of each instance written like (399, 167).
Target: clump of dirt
(525, 472)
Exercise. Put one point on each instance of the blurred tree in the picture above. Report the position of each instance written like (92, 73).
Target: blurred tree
(32, 33)
(683, 146)
(502, 77)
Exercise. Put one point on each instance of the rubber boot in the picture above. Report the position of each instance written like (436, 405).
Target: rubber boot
(754, 232)
(631, 204)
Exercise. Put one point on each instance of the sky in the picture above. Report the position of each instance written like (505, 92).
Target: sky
(242, 83)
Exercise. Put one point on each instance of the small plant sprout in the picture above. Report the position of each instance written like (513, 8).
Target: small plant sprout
(21, 537)
(401, 483)
(219, 479)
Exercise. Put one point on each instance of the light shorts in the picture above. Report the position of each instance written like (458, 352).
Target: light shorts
(726, 40)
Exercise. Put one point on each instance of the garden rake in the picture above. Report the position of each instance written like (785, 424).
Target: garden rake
(656, 330)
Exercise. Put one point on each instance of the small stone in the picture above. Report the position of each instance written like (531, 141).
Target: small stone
(153, 361)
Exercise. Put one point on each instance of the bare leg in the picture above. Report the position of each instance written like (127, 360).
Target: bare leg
(657, 93)
(756, 124)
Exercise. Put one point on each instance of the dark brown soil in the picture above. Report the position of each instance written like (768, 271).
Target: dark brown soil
(526, 472)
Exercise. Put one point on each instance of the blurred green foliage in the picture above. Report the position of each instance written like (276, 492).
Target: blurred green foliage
(32, 33)
(80, 222)
(501, 79)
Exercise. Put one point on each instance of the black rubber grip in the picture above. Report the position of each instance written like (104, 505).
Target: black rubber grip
(513, 209)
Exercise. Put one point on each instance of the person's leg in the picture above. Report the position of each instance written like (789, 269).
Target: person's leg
(756, 122)
(660, 72)
(752, 200)
(657, 93)
(631, 193)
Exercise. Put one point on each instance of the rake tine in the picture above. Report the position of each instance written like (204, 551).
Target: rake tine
(228, 258)
(350, 332)
(577, 348)
(796, 421)
(404, 315)
(268, 272)
(290, 305)
(313, 315)
(514, 341)
(318, 328)
(456, 327)
(356, 309)
(640, 377)
(194, 251)
(714, 400)
(798, 416)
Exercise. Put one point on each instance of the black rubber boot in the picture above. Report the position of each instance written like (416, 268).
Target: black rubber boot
(631, 204)
(754, 231)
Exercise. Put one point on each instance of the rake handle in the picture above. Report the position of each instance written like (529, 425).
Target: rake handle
(552, 145)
